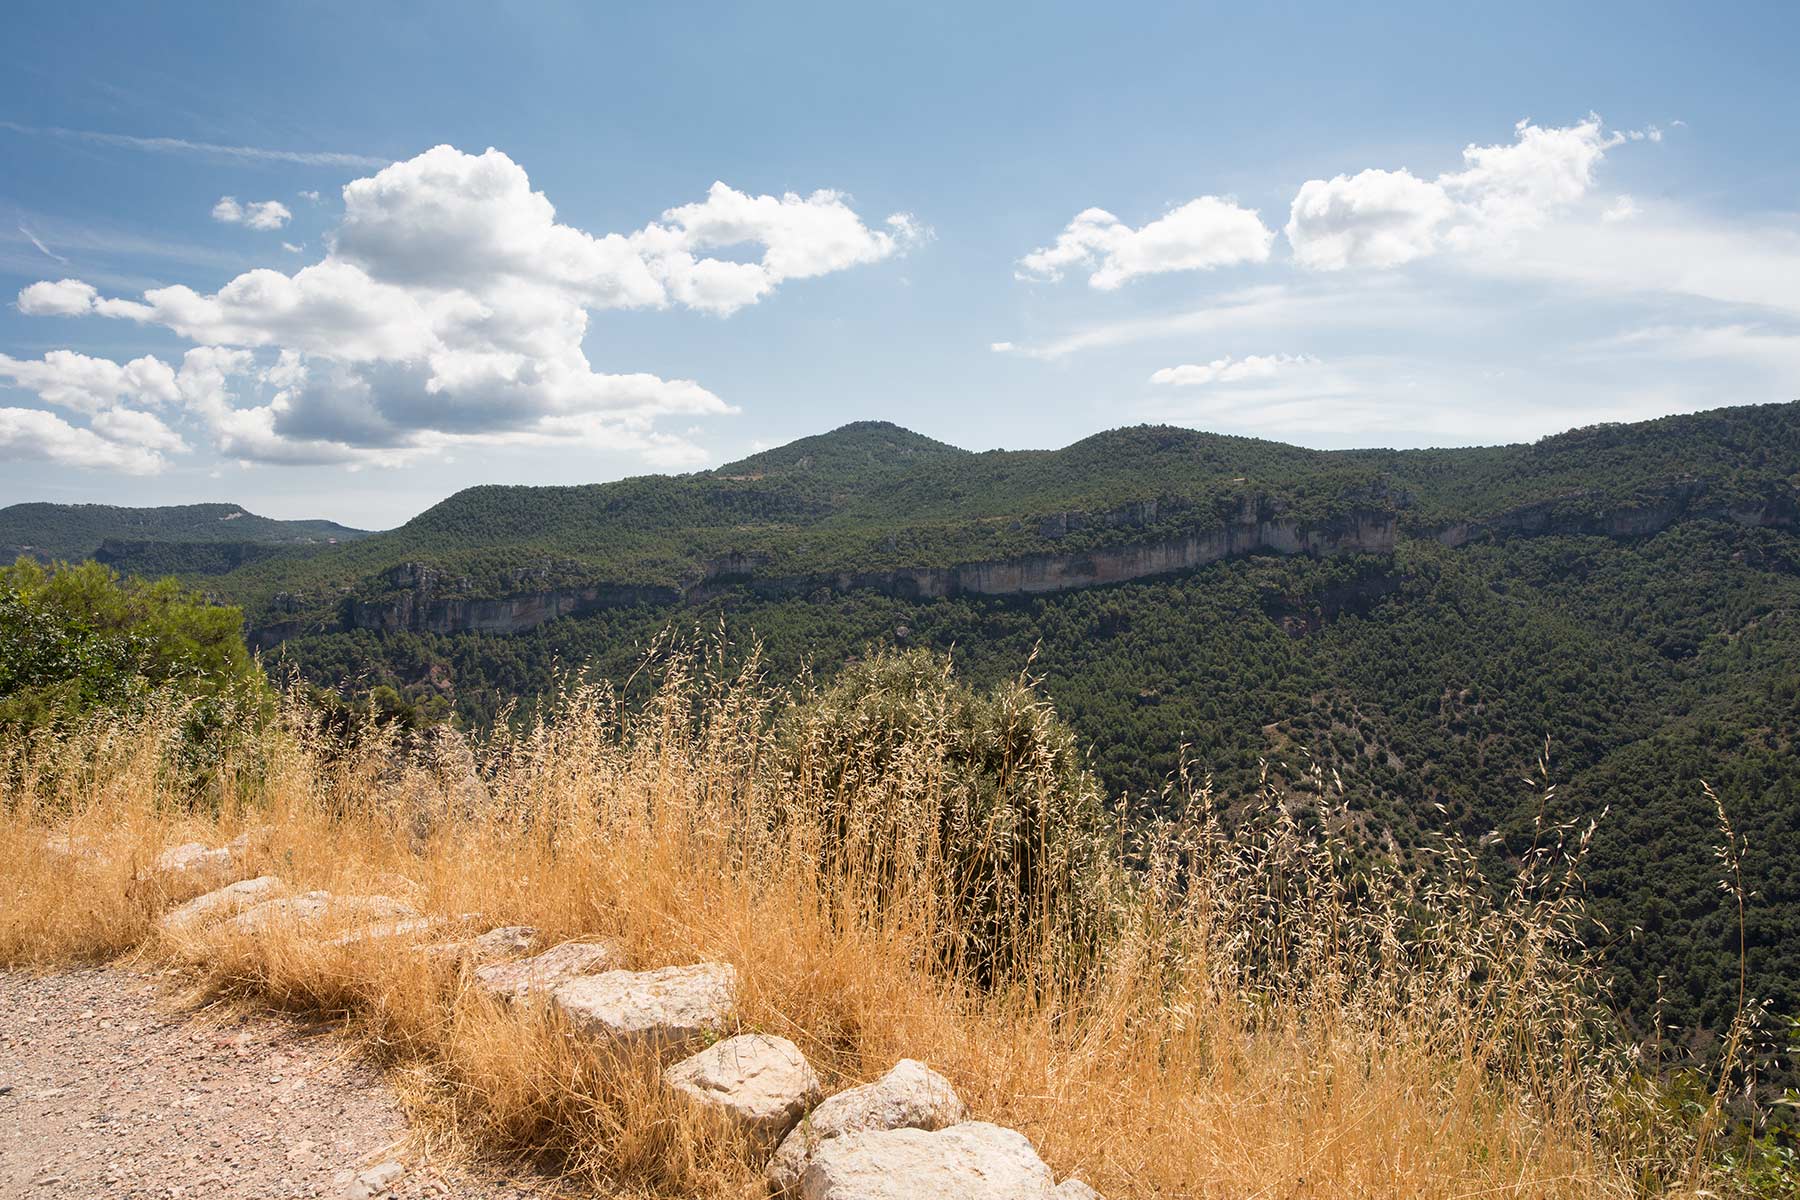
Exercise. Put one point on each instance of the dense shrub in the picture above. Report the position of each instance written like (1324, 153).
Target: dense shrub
(78, 638)
(904, 764)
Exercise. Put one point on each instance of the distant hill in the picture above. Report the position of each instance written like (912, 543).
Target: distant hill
(845, 455)
(874, 499)
(79, 531)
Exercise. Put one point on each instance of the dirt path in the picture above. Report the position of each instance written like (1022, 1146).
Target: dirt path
(106, 1093)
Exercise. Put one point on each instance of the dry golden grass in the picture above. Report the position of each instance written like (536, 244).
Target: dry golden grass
(1248, 1024)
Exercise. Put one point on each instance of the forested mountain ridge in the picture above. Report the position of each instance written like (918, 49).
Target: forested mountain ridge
(873, 502)
(200, 539)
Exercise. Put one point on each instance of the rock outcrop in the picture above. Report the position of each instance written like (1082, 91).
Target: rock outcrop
(759, 1082)
(911, 1096)
(420, 604)
(657, 1010)
(195, 862)
(540, 976)
(219, 905)
(387, 931)
(972, 1161)
(505, 942)
(317, 908)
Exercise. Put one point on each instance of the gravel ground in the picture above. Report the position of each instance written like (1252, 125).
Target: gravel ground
(104, 1092)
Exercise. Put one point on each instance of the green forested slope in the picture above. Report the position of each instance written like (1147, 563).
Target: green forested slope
(77, 531)
(1428, 682)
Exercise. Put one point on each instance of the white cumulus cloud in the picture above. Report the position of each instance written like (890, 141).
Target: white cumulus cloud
(1373, 219)
(1379, 218)
(1200, 235)
(1622, 209)
(801, 236)
(33, 435)
(257, 214)
(1230, 370)
(451, 308)
(62, 298)
(133, 427)
(82, 384)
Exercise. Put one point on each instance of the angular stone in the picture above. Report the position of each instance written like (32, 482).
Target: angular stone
(1074, 1189)
(405, 927)
(656, 1009)
(508, 939)
(503, 942)
(313, 908)
(72, 845)
(234, 898)
(762, 1083)
(972, 1161)
(194, 860)
(911, 1096)
(378, 1180)
(515, 981)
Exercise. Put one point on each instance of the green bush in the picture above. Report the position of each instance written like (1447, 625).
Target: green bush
(74, 638)
(910, 766)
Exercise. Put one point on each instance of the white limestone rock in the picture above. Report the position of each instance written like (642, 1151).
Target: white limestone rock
(911, 1096)
(972, 1161)
(656, 1009)
(507, 939)
(505, 942)
(192, 861)
(382, 931)
(760, 1082)
(73, 845)
(531, 977)
(378, 1180)
(1074, 1189)
(216, 906)
(317, 908)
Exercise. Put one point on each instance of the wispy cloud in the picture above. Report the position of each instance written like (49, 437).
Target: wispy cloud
(168, 145)
(1364, 302)
(88, 242)
(45, 250)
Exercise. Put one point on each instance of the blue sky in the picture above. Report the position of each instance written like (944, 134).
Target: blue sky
(236, 264)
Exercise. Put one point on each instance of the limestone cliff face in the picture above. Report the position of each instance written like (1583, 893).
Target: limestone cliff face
(423, 601)
(1037, 574)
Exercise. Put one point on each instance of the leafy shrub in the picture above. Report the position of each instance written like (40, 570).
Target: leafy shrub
(78, 638)
(915, 775)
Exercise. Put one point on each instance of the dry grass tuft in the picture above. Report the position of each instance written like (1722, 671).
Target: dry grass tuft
(1187, 1012)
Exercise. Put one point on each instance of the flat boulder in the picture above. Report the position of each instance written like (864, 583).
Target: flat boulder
(971, 1161)
(911, 1096)
(1074, 1189)
(73, 845)
(658, 1009)
(529, 977)
(759, 1082)
(382, 931)
(318, 908)
(505, 942)
(195, 860)
(216, 906)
